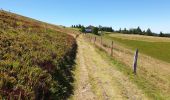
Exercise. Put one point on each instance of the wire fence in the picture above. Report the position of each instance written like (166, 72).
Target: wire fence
(115, 50)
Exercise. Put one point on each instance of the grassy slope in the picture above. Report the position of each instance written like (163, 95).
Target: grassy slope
(159, 50)
(152, 82)
(140, 80)
(35, 59)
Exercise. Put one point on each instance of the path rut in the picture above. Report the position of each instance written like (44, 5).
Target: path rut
(96, 79)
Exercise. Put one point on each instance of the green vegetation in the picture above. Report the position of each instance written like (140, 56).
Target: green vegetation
(137, 30)
(152, 78)
(106, 29)
(159, 50)
(82, 29)
(35, 59)
(77, 26)
(95, 30)
(161, 34)
(140, 79)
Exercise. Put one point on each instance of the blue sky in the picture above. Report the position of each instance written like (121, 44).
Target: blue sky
(154, 14)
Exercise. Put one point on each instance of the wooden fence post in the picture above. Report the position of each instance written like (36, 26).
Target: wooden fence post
(101, 40)
(135, 62)
(112, 49)
(94, 40)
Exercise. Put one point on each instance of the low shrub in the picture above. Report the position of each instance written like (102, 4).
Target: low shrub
(35, 63)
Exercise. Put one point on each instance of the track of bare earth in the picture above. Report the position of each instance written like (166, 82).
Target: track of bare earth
(96, 79)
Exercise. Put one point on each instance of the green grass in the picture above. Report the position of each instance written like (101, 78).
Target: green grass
(145, 80)
(159, 50)
(140, 80)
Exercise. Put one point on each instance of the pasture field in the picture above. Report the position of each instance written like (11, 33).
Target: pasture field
(157, 47)
(153, 75)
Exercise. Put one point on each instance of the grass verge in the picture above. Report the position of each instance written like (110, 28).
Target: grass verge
(140, 80)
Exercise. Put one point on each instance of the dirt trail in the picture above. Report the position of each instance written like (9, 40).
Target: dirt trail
(99, 80)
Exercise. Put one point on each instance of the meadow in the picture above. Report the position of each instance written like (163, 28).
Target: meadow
(153, 75)
(157, 47)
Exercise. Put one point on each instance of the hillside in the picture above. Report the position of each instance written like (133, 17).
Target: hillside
(41, 61)
(36, 59)
(153, 74)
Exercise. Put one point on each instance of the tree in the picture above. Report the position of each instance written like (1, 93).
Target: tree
(95, 30)
(120, 30)
(82, 29)
(138, 30)
(149, 32)
(79, 26)
(143, 33)
(131, 31)
(110, 29)
(161, 34)
(125, 31)
(107, 29)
